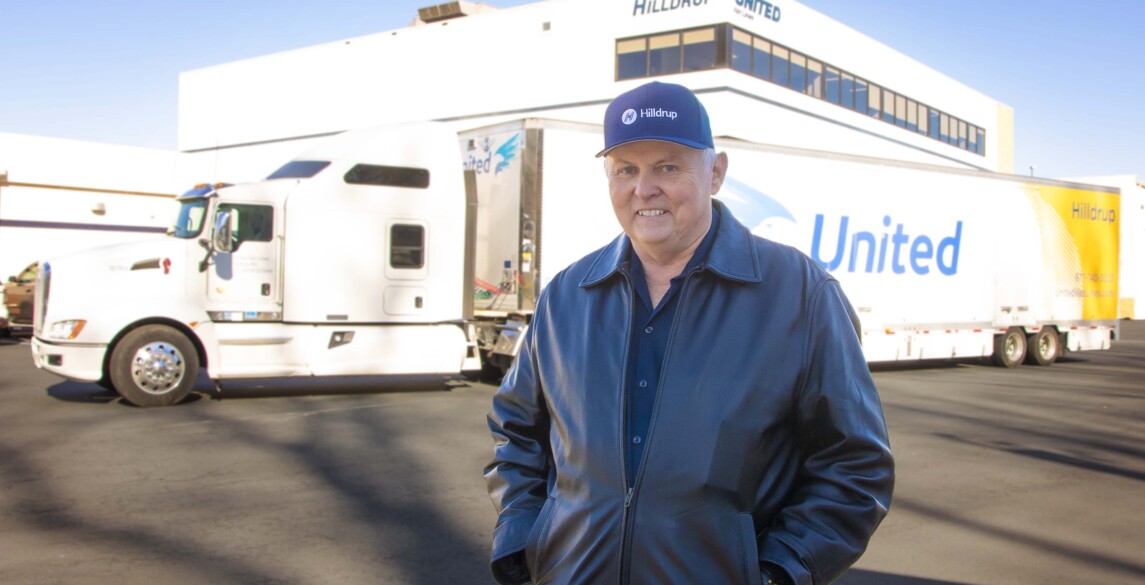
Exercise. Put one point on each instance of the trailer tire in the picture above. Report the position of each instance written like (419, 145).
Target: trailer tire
(154, 365)
(1043, 347)
(1010, 348)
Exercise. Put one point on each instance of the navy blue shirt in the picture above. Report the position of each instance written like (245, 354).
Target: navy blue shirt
(651, 327)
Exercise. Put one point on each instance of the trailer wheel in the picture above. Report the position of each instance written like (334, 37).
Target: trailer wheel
(1010, 348)
(1044, 347)
(154, 365)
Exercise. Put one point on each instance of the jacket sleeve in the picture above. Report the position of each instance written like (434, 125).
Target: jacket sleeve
(517, 476)
(847, 471)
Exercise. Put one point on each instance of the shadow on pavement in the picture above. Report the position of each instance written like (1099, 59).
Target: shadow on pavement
(91, 393)
(861, 577)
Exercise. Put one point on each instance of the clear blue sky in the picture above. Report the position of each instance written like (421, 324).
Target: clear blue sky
(107, 70)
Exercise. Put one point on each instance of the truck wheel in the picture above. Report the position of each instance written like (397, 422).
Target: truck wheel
(1010, 348)
(1043, 347)
(154, 365)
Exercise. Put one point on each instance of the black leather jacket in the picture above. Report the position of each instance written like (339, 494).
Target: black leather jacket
(767, 441)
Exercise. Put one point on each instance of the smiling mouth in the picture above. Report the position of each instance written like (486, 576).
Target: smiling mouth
(651, 212)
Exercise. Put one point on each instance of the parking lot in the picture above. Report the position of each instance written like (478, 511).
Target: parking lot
(1025, 476)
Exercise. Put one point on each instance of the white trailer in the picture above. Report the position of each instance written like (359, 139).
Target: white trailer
(373, 254)
(939, 262)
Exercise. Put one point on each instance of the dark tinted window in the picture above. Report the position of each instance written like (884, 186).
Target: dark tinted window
(832, 83)
(761, 55)
(700, 49)
(255, 223)
(664, 54)
(299, 169)
(726, 46)
(383, 176)
(407, 246)
(631, 59)
(798, 72)
(741, 51)
(779, 56)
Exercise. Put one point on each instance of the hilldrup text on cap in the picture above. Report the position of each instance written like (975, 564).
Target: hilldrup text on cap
(657, 113)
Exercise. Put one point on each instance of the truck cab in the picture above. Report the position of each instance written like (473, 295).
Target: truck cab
(346, 261)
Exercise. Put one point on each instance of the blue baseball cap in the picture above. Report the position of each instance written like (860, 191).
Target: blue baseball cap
(657, 111)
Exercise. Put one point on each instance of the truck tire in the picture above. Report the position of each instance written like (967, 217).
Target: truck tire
(1010, 348)
(1043, 347)
(154, 365)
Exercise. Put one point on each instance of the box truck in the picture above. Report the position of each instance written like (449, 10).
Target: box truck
(422, 248)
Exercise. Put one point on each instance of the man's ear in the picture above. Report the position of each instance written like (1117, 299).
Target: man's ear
(719, 171)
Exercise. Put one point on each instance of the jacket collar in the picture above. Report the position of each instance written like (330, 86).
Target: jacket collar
(733, 254)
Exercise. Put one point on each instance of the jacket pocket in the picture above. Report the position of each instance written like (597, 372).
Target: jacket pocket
(750, 552)
(537, 537)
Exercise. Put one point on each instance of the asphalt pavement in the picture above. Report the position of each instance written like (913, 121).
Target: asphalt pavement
(1025, 476)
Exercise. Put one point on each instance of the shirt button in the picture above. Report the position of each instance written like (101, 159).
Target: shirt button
(648, 330)
(644, 383)
(636, 440)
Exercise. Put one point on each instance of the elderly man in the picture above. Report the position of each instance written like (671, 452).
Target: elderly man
(691, 404)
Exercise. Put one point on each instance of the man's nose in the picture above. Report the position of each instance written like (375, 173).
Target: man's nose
(646, 185)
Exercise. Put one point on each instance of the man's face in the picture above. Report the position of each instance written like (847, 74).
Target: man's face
(661, 193)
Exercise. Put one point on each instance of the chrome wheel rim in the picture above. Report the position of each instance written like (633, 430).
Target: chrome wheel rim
(157, 368)
(1013, 348)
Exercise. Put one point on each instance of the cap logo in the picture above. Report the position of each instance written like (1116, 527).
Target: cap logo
(657, 111)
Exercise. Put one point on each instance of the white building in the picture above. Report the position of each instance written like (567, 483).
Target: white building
(58, 196)
(772, 72)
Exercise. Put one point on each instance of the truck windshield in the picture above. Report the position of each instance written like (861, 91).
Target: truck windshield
(190, 221)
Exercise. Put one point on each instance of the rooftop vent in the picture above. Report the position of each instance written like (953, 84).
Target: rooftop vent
(450, 10)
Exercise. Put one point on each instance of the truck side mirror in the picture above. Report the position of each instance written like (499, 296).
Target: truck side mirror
(222, 236)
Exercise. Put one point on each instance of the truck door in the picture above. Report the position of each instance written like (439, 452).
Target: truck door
(406, 270)
(245, 280)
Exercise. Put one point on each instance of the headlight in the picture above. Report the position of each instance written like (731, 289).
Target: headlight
(65, 329)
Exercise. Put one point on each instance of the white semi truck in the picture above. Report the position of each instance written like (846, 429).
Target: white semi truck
(374, 254)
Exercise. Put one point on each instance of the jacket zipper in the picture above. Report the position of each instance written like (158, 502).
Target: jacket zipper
(630, 493)
(625, 522)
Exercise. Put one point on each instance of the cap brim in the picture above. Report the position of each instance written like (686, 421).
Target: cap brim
(680, 141)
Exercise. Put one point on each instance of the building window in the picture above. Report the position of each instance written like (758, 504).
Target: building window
(832, 82)
(875, 103)
(726, 46)
(814, 79)
(861, 96)
(664, 54)
(761, 53)
(741, 51)
(780, 62)
(632, 59)
(847, 91)
(700, 49)
(889, 106)
(798, 72)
